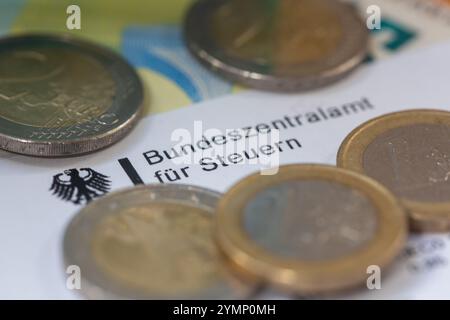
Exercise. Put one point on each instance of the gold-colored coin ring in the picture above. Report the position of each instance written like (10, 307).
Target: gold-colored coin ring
(423, 216)
(310, 277)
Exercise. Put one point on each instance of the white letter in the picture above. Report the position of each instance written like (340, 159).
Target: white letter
(374, 280)
(374, 18)
(74, 280)
(74, 19)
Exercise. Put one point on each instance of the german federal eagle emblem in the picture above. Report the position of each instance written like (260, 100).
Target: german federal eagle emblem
(80, 186)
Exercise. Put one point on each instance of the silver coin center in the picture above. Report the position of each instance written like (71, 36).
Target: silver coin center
(310, 220)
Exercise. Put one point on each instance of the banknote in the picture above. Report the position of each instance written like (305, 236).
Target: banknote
(149, 35)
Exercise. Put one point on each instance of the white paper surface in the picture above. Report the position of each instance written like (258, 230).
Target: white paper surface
(33, 220)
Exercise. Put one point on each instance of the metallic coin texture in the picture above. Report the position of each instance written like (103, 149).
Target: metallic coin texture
(60, 96)
(324, 229)
(280, 45)
(153, 242)
(419, 158)
(409, 153)
(310, 228)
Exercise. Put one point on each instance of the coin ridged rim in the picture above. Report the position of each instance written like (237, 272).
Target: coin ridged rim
(54, 148)
(61, 149)
(424, 216)
(310, 277)
(94, 283)
(350, 55)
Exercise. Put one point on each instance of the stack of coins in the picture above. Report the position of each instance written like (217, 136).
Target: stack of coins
(62, 96)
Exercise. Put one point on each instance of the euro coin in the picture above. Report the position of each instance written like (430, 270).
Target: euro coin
(151, 242)
(278, 45)
(409, 153)
(60, 96)
(310, 229)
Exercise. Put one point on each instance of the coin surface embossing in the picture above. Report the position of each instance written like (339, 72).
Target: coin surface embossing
(60, 96)
(409, 153)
